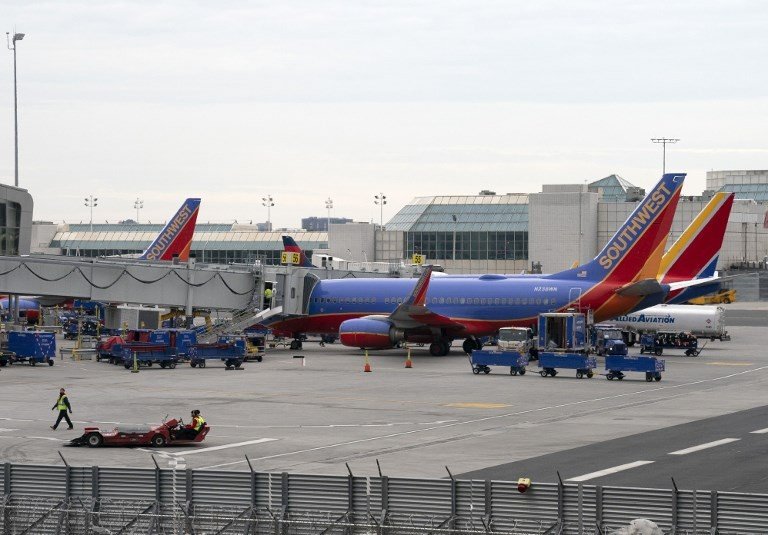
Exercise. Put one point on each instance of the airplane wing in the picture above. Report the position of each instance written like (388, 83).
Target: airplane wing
(413, 312)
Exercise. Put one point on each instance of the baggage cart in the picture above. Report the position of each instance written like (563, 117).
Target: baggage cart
(550, 362)
(149, 354)
(481, 361)
(616, 365)
(231, 352)
(34, 347)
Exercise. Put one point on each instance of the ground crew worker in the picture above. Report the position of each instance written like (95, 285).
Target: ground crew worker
(62, 404)
(190, 431)
(268, 298)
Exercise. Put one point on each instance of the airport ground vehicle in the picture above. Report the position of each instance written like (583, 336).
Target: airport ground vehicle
(6, 357)
(158, 435)
(608, 340)
(563, 344)
(481, 361)
(656, 343)
(148, 354)
(82, 327)
(705, 321)
(231, 351)
(34, 347)
(616, 365)
(723, 296)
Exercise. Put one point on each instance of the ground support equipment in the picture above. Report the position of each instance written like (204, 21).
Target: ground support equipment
(616, 365)
(482, 360)
(581, 362)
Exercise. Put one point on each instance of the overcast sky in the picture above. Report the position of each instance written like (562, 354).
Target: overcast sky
(305, 100)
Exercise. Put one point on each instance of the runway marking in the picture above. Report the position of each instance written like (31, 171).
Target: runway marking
(187, 452)
(5, 429)
(730, 363)
(609, 471)
(708, 445)
(759, 431)
(493, 417)
(470, 405)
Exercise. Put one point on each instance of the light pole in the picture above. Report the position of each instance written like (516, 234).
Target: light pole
(328, 206)
(12, 46)
(455, 221)
(90, 202)
(381, 200)
(268, 202)
(664, 141)
(138, 205)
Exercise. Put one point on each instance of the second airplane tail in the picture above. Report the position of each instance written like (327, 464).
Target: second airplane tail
(176, 237)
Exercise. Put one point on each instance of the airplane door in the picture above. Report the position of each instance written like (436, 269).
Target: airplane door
(574, 296)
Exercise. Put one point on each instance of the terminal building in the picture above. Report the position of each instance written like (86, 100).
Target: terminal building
(486, 233)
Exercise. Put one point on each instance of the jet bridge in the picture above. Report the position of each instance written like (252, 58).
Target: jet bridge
(185, 285)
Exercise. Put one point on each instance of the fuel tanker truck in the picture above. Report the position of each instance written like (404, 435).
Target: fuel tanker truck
(703, 321)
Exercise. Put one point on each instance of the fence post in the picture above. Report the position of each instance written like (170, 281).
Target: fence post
(673, 531)
(599, 508)
(95, 493)
(560, 502)
(452, 519)
(350, 498)
(713, 513)
(7, 478)
(488, 504)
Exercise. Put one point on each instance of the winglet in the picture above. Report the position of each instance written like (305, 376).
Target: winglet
(418, 296)
(176, 236)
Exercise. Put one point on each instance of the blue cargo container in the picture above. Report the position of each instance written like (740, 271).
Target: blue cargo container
(229, 350)
(482, 360)
(564, 331)
(33, 346)
(180, 339)
(581, 362)
(652, 367)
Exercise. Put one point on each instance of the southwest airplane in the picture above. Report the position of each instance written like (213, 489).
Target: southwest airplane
(379, 313)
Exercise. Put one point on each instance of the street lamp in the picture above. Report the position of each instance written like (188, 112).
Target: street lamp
(381, 200)
(90, 202)
(328, 206)
(138, 205)
(664, 141)
(268, 202)
(12, 46)
(455, 220)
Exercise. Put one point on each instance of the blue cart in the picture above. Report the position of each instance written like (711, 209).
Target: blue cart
(32, 346)
(232, 352)
(481, 361)
(616, 365)
(656, 343)
(148, 354)
(581, 362)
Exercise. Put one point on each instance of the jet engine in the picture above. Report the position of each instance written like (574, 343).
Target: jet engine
(369, 333)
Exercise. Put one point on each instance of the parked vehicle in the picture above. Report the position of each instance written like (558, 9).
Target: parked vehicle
(157, 436)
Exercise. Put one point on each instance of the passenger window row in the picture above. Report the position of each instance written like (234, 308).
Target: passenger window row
(503, 301)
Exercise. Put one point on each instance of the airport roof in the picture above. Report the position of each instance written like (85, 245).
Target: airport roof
(463, 213)
(613, 187)
(757, 192)
(206, 237)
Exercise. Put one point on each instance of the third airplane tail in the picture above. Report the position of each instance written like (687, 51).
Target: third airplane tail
(176, 236)
(290, 246)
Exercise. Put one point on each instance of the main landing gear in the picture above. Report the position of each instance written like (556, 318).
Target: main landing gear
(440, 348)
(296, 344)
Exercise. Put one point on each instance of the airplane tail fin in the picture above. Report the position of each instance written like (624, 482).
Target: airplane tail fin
(290, 246)
(176, 236)
(635, 250)
(695, 253)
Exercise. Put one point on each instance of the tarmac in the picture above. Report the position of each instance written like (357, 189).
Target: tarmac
(318, 414)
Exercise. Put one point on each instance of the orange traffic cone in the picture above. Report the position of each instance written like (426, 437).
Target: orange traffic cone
(367, 367)
(408, 361)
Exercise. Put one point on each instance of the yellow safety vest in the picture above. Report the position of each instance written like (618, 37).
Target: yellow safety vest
(61, 405)
(268, 293)
(199, 424)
